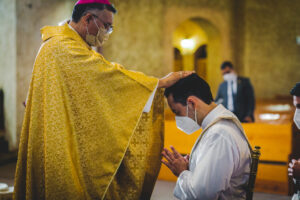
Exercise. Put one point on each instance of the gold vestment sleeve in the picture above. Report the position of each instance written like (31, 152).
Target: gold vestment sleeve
(138, 172)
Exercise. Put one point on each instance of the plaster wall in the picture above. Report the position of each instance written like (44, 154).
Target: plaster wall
(137, 40)
(271, 53)
(8, 67)
(32, 15)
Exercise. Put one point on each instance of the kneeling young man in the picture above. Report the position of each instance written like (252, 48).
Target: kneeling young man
(219, 163)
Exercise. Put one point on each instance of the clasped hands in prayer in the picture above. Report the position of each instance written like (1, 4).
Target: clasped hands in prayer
(175, 161)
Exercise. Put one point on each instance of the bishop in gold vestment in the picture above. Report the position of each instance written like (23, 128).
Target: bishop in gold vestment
(85, 135)
(84, 132)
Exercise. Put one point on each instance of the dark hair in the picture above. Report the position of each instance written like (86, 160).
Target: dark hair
(295, 91)
(226, 64)
(191, 85)
(81, 9)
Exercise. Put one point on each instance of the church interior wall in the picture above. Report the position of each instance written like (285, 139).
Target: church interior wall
(8, 67)
(259, 37)
(143, 36)
(271, 57)
(32, 15)
(136, 42)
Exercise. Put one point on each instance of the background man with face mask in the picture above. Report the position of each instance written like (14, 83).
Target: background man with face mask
(88, 132)
(236, 94)
(294, 166)
(219, 162)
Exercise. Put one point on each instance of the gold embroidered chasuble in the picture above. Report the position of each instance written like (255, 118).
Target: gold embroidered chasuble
(84, 134)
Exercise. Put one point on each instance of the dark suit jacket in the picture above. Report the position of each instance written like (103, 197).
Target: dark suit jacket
(243, 100)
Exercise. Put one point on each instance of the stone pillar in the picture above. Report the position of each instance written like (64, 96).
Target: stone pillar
(188, 62)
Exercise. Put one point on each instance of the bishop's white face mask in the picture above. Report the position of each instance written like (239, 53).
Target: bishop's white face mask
(99, 39)
(186, 124)
(229, 76)
(297, 117)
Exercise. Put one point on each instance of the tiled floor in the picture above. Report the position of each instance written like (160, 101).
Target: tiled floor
(7, 173)
(163, 190)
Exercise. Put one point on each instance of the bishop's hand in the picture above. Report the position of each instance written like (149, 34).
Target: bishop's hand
(175, 161)
(172, 78)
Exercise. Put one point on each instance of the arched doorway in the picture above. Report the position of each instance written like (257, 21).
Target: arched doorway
(187, 38)
(199, 42)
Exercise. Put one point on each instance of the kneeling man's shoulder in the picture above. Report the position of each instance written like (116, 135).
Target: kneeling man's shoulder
(225, 129)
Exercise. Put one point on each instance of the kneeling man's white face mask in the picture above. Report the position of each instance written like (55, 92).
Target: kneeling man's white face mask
(297, 117)
(186, 124)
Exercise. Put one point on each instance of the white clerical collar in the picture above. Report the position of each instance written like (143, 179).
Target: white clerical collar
(212, 115)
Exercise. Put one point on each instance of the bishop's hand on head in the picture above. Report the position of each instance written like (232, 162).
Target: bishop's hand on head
(172, 78)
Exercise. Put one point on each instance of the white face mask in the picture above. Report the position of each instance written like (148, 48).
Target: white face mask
(229, 76)
(186, 124)
(99, 39)
(297, 117)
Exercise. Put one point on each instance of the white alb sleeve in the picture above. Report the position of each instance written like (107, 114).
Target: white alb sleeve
(212, 172)
(148, 105)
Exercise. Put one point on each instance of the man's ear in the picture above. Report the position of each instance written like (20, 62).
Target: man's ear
(191, 100)
(87, 18)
